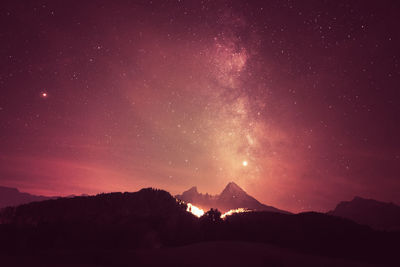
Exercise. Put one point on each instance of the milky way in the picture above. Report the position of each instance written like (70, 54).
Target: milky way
(296, 102)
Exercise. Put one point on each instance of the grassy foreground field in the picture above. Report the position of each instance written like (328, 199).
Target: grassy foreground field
(199, 254)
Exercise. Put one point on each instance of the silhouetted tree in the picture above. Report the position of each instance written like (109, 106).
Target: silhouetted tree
(211, 225)
(213, 216)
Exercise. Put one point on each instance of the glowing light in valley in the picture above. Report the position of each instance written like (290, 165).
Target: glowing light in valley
(44, 94)
(198, 212)
(239, 210)
(245, 163)
(195, 210)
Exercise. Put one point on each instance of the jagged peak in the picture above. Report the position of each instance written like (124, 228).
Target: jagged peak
(192, 190)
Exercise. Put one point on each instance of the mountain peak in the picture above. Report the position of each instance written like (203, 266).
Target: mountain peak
(233, 188)
(377, 214)
(190, 195)
(232, 197)
(4, 190)
(193, 189)
(234, 194)
(232, 184)
(10, 196)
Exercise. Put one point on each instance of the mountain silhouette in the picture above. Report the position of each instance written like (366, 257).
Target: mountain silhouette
(232, 197)
(13, 197)
(376, 214)
(153, 219)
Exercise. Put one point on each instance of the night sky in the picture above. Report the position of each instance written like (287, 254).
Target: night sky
(298, 102)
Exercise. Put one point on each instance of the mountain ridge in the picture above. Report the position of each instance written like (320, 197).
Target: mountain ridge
(231, 197)
(152, 218)
(376, 214)
(10, 196)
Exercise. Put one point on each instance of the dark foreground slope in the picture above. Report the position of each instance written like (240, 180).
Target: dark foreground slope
(316, 233)
(148, 218)
(109, 227)
(214, 253)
